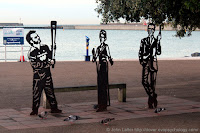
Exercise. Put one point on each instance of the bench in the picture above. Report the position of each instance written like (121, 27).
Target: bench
(121, 92)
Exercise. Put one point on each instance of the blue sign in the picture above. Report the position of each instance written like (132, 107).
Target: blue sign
(13, 40)
(13, 36)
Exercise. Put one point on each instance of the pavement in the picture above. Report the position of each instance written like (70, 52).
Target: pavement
(177, 88)
(12, 119)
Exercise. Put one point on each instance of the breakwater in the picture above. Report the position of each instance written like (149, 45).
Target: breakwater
(133, 26)
(31, 27)
(111, 26)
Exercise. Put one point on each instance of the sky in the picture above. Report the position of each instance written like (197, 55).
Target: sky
(31, 12)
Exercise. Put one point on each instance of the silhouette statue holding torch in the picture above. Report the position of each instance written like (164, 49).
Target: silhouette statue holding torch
(103, 53)
(41, 60)
(149, 49)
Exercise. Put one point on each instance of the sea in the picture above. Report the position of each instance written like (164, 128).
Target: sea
(123, 44)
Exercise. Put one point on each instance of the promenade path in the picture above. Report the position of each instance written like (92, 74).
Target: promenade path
(177, 87)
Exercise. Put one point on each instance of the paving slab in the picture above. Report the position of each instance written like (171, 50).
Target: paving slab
(12, 119)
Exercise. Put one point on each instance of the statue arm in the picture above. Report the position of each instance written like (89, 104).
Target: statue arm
(94, 57)
(48, 62)
(33, 60)
(141, 52)
(158, 48)
(159, 37)
(41, 61)
(109, 56)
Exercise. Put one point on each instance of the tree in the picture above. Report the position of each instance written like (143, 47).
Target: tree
(184, 15)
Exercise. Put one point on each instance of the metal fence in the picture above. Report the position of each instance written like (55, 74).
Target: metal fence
(13, 53)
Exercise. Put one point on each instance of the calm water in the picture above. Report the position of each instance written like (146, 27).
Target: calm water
(124, 44)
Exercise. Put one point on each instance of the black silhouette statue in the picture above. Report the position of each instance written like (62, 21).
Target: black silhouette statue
(149, 49)
(103, 53)
(41, 58)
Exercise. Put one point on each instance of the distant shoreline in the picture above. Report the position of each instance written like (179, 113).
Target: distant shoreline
(90, 27)
(132, 26)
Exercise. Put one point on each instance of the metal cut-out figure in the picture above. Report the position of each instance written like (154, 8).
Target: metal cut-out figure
(103, 53)
(41, 60)
(149, 49)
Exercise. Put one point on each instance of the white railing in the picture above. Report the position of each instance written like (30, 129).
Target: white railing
(13, 52)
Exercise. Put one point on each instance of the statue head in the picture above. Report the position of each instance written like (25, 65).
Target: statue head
(32, 38)
(151, 28)
(102, 36)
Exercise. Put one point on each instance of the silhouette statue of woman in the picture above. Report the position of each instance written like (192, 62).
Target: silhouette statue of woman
(103, 53)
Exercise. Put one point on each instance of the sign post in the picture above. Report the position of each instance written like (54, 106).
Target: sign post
(5, 54)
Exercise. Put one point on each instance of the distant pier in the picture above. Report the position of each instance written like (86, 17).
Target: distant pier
(11, 24)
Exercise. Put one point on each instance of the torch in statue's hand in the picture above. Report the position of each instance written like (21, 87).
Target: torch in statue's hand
(53, 41)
